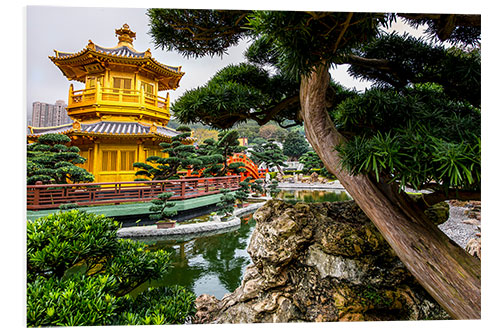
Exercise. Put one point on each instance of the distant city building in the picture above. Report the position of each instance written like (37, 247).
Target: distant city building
(48, 115)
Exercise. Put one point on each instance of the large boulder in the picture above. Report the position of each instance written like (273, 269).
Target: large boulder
(319, 262)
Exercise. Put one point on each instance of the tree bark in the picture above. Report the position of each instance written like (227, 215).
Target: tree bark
(450, 275)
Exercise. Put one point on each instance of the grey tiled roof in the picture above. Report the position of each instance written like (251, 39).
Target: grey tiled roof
(122, 51)
(107, 127)
(111, 127)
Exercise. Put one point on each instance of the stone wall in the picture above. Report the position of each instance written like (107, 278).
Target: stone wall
(319, 262)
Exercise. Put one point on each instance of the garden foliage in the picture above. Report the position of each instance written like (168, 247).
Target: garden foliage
(225, 206)
(161, 207)
(179, 155)
(80, 274)
(51, 161)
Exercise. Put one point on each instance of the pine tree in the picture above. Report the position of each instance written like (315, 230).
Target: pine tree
(161, 205)
(417, 127)
(269, 153)
(312, 162)
(51, 161)
(242, 193)
(295, 145)
(225, 206)
(180, 155)
(214, 154)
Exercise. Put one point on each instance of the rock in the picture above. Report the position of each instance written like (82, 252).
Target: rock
(316, 263)
(438, 213)
(205, 306)
(472, 221)
(473, 247)
(314, 177)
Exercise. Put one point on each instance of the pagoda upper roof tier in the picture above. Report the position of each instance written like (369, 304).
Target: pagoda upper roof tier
(94, 59)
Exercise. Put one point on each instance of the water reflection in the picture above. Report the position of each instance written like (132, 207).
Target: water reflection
(214, 264)
(209, 264)
(313, 196)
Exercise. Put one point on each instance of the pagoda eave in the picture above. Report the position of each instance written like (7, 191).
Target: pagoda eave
(73, 66)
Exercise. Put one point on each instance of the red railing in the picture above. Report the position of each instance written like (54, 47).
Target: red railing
(52, 196)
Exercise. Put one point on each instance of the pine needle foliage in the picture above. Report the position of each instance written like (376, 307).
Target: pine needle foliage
(51, 161)
(179, 156)
(419, 123)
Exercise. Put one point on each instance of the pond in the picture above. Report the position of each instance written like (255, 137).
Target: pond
(215, 264)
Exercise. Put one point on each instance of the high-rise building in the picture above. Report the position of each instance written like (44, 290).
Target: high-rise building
(47, 115)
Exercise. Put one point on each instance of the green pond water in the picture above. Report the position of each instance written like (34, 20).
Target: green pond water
(215, 264)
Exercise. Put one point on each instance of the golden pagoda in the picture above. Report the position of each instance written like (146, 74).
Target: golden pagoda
(119, 117)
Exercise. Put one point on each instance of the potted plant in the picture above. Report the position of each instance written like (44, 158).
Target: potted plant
(242, 193)
(257, 187)
(225, 206)
(273, 187)
(162, 213)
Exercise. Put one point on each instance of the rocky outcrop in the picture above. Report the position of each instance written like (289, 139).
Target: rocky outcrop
(319, 262)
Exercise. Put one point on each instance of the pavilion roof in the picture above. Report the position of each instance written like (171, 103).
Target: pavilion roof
(93, 58)
(106, 128)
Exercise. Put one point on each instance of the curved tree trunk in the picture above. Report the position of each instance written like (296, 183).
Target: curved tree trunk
(446, 271)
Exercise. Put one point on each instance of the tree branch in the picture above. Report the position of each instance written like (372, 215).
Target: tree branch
(344, 29)
(438, 196)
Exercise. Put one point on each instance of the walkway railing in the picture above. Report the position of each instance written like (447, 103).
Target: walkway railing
(52, 196)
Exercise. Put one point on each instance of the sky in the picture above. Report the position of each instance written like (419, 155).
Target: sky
(69, 29)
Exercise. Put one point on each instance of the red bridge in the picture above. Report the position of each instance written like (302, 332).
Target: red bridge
(252, 169)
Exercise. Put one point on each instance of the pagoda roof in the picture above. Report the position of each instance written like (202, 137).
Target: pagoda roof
(105, 128)
(92, 59)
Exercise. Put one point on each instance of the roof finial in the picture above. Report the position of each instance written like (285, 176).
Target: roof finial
(125, 35)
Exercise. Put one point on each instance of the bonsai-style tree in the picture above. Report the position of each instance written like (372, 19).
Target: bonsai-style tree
(79, 273)
(312, 162)
(418, 126)
(225, 206)
(242, 193)
(270, 153)
(214, 154)
(161, 207)
(295, 145)
(256, 186)
(273, 188)
(51, 161)
(180, 155)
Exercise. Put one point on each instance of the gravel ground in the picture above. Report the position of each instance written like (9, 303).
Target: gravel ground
(455, 227)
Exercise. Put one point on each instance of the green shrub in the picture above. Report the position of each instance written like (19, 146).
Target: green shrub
(273, 188)
(74, 301)
(226, 204)
(161, 205)
(158, 306)
(80, 273)
(242, 193)
(273, 174)
(60, 241)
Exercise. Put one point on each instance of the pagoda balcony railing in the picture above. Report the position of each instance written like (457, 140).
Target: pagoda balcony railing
(53, 195)
(117, 96)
